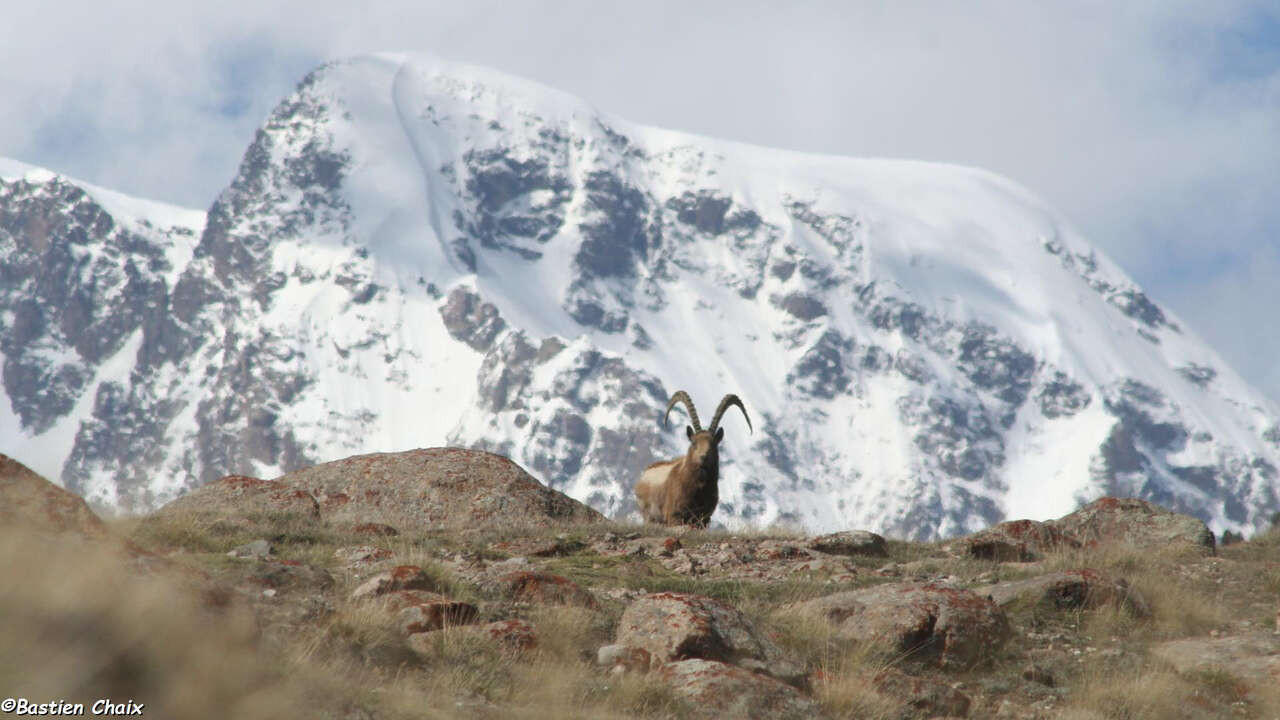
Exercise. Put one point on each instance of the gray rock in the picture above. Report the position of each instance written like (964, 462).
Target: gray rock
(256, 550)
(680, 626)
(630, 659)
(1136, 522)
(925, 622)
(1075, 589)
(849, 542)
(719, 690)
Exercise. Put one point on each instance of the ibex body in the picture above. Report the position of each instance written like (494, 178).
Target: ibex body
(686, 490)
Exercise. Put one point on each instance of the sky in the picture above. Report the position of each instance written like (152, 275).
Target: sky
(1153, 126)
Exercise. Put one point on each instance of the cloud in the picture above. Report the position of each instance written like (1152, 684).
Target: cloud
(1151, 125)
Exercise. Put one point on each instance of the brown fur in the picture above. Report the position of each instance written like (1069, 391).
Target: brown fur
(686, 490)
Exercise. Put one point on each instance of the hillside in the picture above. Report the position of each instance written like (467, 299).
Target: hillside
(259, 599)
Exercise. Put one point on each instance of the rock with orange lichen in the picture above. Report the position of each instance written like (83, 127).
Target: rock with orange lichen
(1107, 520)
(401, 577)
(1083, 589)
(515, 636)
(946, 625)
(431, 616)
(543, 588)
(1014, 541)
(677, 626)
(1134, 522)
(436, 488)
(716, 689)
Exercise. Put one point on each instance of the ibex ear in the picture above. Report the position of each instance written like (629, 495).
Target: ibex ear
(688, 430)
(719, 435)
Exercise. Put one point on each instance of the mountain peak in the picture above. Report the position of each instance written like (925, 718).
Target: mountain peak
(417, 252)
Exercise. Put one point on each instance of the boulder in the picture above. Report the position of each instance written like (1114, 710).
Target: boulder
(719, 690)
(1135, 522)
(427, 617)
(545, 589)
(1103, 521)
(510, 634)
(401, 577)
(436, 488)
(929, 622)
(849, 542)
(1013, 541)
(1077, 589)
(256, 550)
(679, 626)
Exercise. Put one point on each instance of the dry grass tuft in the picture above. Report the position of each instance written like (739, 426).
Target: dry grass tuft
(1181, 605)
(1146, 693)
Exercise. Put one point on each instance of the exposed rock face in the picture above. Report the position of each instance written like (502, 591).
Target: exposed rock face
(955, 627)
(470, 319)
(412, 253)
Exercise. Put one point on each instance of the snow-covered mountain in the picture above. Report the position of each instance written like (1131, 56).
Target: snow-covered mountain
(417, 252)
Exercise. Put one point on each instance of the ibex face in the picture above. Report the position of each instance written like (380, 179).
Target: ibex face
(686, 490)
(704, 448)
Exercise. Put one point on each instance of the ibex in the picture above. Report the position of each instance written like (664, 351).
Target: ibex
(685, 491)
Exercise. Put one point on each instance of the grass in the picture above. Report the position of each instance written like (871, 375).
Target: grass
(78, 623)
(1181, 605)
(119, 632)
